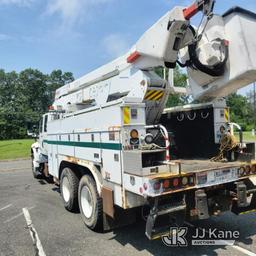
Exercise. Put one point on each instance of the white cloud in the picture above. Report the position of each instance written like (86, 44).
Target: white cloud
(24, 3)
(72, 11)
(116, 45)
(4, 37)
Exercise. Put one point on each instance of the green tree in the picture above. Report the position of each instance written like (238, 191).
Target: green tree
(57, 79)
(33, 90)
(24, 97)
(10, 120)
(180, 80)
(240, 110)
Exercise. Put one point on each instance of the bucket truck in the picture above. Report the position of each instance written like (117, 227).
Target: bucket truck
(114, 149)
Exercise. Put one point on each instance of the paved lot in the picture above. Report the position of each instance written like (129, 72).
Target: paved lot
(63, 233)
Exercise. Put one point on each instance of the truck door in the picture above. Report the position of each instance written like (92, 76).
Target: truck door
(43, 133)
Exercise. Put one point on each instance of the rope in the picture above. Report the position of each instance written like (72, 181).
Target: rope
(227, 143)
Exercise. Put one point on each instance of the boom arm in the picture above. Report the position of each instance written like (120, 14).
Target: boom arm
(160, 45)
(200, 5)
(218, 59)
(219, 55)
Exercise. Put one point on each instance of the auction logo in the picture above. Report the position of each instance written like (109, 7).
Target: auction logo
(176, 237)
(200, 236)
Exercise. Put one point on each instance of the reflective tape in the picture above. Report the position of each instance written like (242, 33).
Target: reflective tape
(226, 113)
(154, 95)
(127, 115)
(246, 212)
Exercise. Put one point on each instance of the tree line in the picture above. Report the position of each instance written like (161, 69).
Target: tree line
(24, 97)
(242, 111)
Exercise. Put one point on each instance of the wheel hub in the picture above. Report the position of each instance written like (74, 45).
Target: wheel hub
(66, 189)
(86, 202)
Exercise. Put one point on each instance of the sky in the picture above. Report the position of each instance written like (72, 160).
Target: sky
(79, 35)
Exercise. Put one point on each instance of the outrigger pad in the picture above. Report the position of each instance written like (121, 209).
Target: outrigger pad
(244, 210)
(245, 206)
(162, 218)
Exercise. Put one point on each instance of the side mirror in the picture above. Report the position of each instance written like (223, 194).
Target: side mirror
(32, 134)
(32, 131)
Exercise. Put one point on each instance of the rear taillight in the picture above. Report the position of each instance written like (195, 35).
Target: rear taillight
(254, 169)
(157, 185)
(174, 183)
(247, 170)
(166, 184)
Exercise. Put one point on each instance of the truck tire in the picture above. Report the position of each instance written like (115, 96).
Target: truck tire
(90, 203)
(69, 183)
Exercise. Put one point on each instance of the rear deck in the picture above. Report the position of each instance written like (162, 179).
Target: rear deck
(199, 165)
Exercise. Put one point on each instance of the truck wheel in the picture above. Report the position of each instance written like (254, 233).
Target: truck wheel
(69, 189)
(90, 203)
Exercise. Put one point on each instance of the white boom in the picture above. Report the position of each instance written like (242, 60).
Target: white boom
(219, 56)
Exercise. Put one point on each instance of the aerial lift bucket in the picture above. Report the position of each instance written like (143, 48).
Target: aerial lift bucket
(238, 25)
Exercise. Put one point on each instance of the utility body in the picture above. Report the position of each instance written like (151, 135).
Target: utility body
(114, 149)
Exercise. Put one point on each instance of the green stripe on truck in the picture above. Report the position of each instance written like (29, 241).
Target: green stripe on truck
(111, 146)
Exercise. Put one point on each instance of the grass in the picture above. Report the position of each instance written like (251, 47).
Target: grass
(13, 149)
(247, 136)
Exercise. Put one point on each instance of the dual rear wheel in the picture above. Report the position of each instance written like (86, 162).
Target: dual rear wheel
(83, 195)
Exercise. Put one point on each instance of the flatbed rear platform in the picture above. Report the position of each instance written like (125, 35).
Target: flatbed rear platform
(199, 165)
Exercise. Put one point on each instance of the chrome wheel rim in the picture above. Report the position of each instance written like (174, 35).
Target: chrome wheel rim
(66, 189)
(86, 202)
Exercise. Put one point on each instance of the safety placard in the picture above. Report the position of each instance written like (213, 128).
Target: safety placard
(154, 95)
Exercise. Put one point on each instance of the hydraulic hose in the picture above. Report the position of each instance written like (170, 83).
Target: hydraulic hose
(195, 63)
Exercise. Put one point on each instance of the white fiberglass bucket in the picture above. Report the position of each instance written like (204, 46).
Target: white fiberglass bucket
(240, 31)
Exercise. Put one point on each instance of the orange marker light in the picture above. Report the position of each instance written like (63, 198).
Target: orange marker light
(134, 134)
